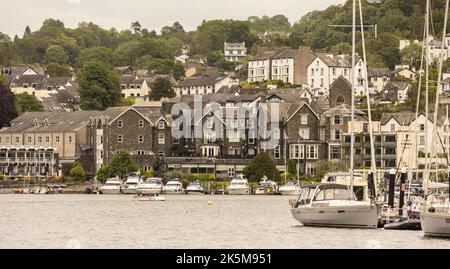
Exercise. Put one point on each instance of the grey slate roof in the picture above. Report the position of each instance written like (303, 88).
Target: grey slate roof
(378, 72)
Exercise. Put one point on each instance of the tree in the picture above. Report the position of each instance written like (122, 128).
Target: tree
(411, 55)
(27, 31)
(57, 70)
(103, 173)
(55, 54)
(261, 165)
(161, 88)
(77, 172)
(292, 167)
(7, 109)
(27, 103)
(122, 164)
(101, 54)
(136, 27)
(342, 48)
(99, 87)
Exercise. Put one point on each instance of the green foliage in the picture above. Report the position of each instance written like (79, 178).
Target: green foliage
(411, 55)
(8, 110)
(55, 54)
(161, 88)
(166, 66)
(27, 103)
(146, 174)
(122, 164)
(77, 172)
(323, 167)
(99, 86)
(103, 173)
(99, 54)
(292, 167)
(3, 177)
(57, 70)
(261, 165)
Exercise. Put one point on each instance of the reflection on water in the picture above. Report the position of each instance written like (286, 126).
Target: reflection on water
(118, 221)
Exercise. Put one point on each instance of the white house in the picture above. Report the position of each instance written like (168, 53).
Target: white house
(133, 86)
(203, 85)
(259, 66)
(235, 51)
(326, 68)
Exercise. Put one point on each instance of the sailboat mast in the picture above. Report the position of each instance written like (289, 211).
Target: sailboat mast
(366, 88)
(439, 80)
(427, 76)
(352, 131)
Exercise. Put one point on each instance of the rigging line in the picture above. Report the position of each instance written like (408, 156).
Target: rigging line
(416, 125)
(369, 112)
(352, 134)
(427, 75)
(436, 105)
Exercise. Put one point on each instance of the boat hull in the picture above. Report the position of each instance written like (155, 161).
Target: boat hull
(110, 191)
(195, 192)
(129, 191)
(289, 192)
(357, 216)
(172, 192)
(436, 224)
(149, 191)
(239, 191)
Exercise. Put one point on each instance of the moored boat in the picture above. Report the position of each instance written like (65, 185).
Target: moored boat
(333, 205)
(290, 188)
(195, 187)
(173, 186)
(239, 186)
(112, 186)
(150, 186)
(266, 187)
(131, 184)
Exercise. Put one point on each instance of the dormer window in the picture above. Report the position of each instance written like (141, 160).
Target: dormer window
(138, 86)
(123, 86)
(132, 86)
(49, 88)
(46, 123)
(161, 125)
(119, 124)
(34, 85)
(25, 85)
(36, 123)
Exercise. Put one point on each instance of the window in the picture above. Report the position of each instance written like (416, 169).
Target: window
(140, 152)
(296, 151)
(335, 152)
(276, 133)
(334, 71)
(176, 141)
(303, 133)
(57, 139)
(119, 124)
(422, 140)
(304, 119)
(337, 120)
(47, 139)
(393, 127)
(422, 127)
(161, 139)
(39, 139)
(161, 154)
(310, 168)
(29, 139)
(119, 139)
(312, 152)
(141, 139)
(161, 125)
(17, 140)
(321, 71)
(141, 124)
(340, 100)
(277, 152)
(336, 134)
(231, 172)
(70, 139)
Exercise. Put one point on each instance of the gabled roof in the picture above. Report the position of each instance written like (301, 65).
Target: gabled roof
(378, 72)
(344, 110)
(207, 80)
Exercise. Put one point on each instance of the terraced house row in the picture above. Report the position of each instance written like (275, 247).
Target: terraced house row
(304, 129)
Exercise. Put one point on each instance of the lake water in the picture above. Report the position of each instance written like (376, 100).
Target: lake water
(118, 221)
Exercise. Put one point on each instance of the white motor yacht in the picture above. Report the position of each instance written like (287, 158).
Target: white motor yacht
(195, 187)
(239, 186)
(266, 187)
(290, 188)
(173, 187)
(131, 184)
(150, 186)
(112, 186)
(333, 205)
(435, 217)
(358, 182)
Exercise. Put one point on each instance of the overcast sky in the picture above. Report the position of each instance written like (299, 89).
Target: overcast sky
(152, 14)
